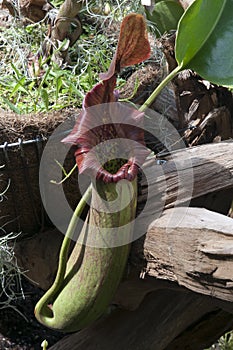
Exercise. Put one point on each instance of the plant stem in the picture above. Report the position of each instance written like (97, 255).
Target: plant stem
(159, 88)
(69, 234)
(42, 305)
(44, 344)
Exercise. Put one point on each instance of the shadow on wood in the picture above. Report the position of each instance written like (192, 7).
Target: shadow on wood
(163, 316)
(188, 246)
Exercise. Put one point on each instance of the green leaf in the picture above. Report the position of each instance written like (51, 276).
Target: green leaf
(19, 86)
(45, 98)
(204, 40)
(59, 83)
(74, 90)
(45, 77)
(165, 15)
(11, 106)
(17, 72)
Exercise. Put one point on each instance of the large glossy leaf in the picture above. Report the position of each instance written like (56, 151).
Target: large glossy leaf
(205, 40)
(165, 15)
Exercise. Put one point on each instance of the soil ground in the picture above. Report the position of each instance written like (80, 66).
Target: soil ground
(19, 330)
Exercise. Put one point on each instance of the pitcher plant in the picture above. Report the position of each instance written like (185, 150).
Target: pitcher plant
(109, 147)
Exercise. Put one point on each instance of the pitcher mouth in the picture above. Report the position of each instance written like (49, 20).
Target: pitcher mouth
(96, 125)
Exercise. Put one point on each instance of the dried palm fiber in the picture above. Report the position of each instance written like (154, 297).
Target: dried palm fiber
(22, 140)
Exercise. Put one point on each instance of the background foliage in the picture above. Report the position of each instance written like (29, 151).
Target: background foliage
(31, 84)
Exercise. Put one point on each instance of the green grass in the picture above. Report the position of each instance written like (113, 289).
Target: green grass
(50, 87)
(29, 84)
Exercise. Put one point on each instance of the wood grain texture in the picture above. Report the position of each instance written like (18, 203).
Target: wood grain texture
(187, 174)
(155, 325)
(193, 247)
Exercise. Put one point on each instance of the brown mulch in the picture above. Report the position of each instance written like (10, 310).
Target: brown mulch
(29, 126)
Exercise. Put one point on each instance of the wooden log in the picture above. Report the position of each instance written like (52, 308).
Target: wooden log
(193, 247)
(187, 174)
(188, 246)
(205, 333)
(158, 321)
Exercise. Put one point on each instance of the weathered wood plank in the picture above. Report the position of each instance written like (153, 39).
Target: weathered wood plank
(193, 247)
(205, 333)
(187, 174)
(161, 317)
